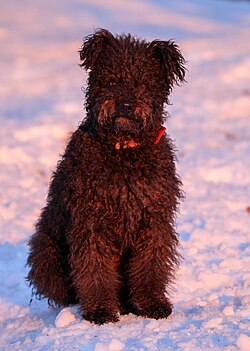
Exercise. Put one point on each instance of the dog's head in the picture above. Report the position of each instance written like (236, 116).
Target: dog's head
(129, 80)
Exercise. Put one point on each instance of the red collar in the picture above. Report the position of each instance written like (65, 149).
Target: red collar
(132, 143)
(159, 135)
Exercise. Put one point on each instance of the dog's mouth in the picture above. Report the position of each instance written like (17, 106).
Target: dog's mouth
(126, 117)
(125, 123)
(123, 119)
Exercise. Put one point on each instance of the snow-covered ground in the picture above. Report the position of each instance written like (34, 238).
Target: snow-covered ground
(41, 102)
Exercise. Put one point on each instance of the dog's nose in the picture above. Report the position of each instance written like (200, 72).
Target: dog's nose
(125, 106)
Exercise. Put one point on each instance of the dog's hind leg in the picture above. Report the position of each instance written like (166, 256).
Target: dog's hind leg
(48, 257)
(48, 273)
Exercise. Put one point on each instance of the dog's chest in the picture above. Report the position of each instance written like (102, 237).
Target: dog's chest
(126, 192)
(119, 195)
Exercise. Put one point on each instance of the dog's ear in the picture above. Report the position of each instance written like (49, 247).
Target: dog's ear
(93, 45)
(171, 60)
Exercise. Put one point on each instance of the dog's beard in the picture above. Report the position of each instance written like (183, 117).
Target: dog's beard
(130, 123)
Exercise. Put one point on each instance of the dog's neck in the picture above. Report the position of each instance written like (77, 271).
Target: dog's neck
(130, 143)
(119, 143)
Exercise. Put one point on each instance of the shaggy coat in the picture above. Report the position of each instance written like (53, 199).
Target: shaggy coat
(106, 238)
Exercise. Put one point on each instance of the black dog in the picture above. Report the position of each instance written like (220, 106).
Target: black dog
(106, 238)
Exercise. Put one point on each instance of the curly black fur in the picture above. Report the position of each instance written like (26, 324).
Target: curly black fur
(106, 238)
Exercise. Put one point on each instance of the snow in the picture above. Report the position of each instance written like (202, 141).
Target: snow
(41, 103)
(65, 318)
(243, 342)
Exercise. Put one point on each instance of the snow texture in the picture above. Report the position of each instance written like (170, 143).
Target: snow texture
(41, 102)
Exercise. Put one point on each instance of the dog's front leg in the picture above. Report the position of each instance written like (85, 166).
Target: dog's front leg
(150, 271)
(96, 279)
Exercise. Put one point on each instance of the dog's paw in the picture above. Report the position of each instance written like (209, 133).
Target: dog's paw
(101, 316)
(157, 310)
